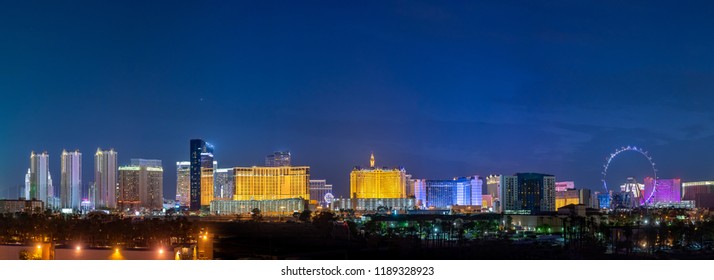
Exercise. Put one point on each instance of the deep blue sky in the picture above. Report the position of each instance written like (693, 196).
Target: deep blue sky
(443, 89)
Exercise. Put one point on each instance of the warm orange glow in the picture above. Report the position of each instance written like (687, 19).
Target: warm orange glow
(205, 237)
(378, 183)
(161, 251)
(39, 247)
(78, 248)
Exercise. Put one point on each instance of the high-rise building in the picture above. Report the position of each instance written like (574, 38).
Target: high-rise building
(71, 185)
(272, 183)
(420, 192)
(410, 186)
(632, 192)
(666, 191)
(105, 179)
(207, 182)
(201, 158)
(25, 193)
(318, 190)
(39, 187)
(604, 200)
(493, 185)
(528, 193)
(376, 182)
(702, 193)
(477, 184)
(277, 159)
(442, 194)
(141, 185)
(183, 183)
(224, 187)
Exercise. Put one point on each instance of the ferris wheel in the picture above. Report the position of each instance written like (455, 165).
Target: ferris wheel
(643, 153)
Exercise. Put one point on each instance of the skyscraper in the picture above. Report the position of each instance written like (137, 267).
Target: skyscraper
(269, 183)
(183, 183)
(528, 193)
(665, 191)
(277, 159)
(477, 186)
(201, 157)
(441, 194)
(141, 185)
(25, 193)
(71, 185)
(375, 182)
(39, 177)
(105, 179)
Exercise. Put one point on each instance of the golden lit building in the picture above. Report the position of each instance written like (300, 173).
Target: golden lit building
(566, 198)
(206, 186)
(271, 183)
(378, 182)
(141, 185)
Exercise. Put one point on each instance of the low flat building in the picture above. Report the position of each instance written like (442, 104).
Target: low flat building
(276, 207)
(21, 205)
(374, 204)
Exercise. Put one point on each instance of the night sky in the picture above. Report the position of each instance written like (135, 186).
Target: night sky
(442, 89)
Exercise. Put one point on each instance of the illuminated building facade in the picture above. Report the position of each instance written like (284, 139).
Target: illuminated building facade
(568, 197)
(207, 181)
(12, 206)
(493, 188)
(38, 184)
(564, 186)
(374, 204)
(201, 157)
(528, 193)
(105, 179)
(71, 185)
(420, 192)
(604, 200)
(442, 194)
(666, 191)
(271, 207)
(272, 183)
(141, 185)
(487, 202)
(477, 184)
(278, 159)
(493, 185)
(224, 186)
(702, 193)
(378, 182)
(410, 186)
(318, 190)
(183, 183)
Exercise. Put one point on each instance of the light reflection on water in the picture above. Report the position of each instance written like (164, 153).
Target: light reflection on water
(10, 252)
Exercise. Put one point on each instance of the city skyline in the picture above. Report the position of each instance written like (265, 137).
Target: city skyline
(553, 92)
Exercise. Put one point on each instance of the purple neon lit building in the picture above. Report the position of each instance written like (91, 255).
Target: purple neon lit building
(667, 190)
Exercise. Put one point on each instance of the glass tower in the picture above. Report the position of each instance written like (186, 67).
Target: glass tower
(71, 185)
(201, 158)
(105, 179)
(183, 183)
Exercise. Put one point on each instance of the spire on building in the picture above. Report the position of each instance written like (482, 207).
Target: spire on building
(371, 160)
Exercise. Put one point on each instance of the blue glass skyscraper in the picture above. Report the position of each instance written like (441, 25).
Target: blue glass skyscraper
(201, 157)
